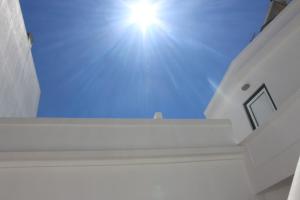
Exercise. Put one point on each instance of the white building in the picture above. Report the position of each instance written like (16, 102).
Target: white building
(238, 153)
(19, 87)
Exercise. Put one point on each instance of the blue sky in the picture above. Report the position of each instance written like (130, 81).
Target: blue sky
(91, 65)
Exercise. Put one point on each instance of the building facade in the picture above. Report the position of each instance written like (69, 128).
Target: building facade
(260, 94)
(19, 86)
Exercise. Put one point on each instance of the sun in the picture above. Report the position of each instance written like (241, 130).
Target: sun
(144, 15)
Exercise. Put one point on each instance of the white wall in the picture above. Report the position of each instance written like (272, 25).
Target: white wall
(99, 134)
(130, 160)
(72, 159)
(278, 192)
(273, 150)
(295, 189)
(19, 87)
(210, 180)
(272, 58)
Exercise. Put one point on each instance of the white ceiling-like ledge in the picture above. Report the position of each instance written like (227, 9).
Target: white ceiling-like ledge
(111, 158)
(95, 142)
(36, 135)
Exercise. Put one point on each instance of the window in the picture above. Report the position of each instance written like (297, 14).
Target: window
(259, 107)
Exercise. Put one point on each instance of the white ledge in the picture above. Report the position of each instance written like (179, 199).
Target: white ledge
(29, 135)
(110, 158)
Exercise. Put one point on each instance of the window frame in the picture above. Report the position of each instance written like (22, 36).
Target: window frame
(247, 105)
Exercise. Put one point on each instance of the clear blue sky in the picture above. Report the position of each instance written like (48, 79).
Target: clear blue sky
(90, 65)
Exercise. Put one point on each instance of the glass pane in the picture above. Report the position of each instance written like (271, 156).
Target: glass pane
(262, 108)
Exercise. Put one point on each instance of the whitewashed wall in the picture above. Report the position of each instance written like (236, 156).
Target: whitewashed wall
(273, 150)
(279, 191)
(98, 134)
(295, 189)
(19, 87)
(210, 180)
(74, 159)
(272, 58)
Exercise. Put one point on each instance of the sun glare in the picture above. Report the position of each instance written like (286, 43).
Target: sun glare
(144, 15)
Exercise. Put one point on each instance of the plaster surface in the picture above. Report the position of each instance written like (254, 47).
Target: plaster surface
(19, 87)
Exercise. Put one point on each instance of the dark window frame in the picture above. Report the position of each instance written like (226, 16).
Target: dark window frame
(255, 96)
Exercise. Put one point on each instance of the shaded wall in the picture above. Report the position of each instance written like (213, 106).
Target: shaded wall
(211, 180)
(19, 87)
